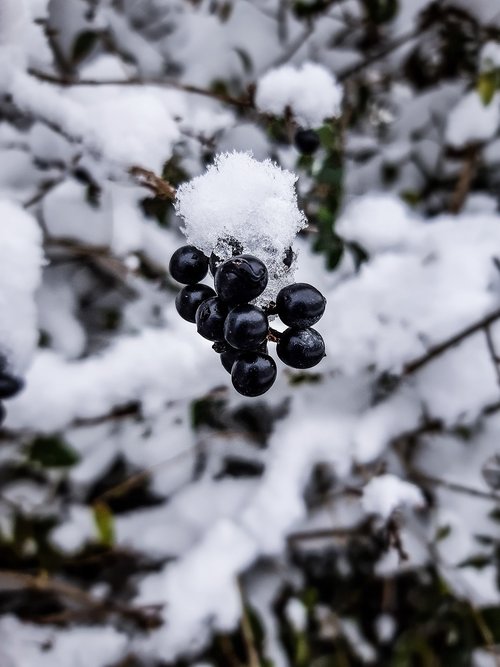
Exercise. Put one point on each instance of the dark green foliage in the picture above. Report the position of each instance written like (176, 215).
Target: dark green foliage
(84, 45)
(52, 452)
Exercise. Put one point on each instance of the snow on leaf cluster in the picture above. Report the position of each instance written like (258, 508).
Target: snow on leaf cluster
(310, 92)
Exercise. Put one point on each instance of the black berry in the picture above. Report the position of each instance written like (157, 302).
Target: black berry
(190, 298)
(9, 385)
(210, 318)
(300, 348)
(307, 141)
(253, 373)
(188, 265)
(230, 354)
(300, 305)
(246, 327)
(241, 279)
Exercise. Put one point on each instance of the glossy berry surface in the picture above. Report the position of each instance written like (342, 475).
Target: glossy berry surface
(301, 348)
(190, 298)
(210, 318)
(253, 373)
(246, 327)
(188, 265)
(300, 305)
(228, 357)
(241, 279)
(9, 385)
(230, 354)
(307, 141)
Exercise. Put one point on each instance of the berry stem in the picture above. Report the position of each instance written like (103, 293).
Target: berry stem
(273, 336)
(270, 309)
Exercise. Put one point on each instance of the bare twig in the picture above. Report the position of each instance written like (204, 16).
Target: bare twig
(378, 55)
(395, 540)
(60, 588)
(240, 102)
(453, 486)
(486, 633)
(437, 350)
(149, 179)
(467, 174)
(274, 335)
(44, 189)
(326, 534)
(495, 359)
(247, 632)
(292, 49)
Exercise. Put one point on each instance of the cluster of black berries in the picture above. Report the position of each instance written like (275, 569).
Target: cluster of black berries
(10, 385)
(239, 330)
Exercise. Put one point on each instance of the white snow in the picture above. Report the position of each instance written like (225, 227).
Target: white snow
(489, 57)
(427, 276)
(79, 528)
(201, 590)
(152, 367)
(472, 121)
(386, 493)
(20, 262)
(296, 614)
(126, 125)
(26, 645)
(310, 92)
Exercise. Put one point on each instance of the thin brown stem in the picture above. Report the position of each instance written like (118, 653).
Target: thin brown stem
(274, 335)
(495, 359)
(247, 632)
(162, 189)
(43, 583)
(466, 176)
(65, 82)
(439, 349)
(419, 476)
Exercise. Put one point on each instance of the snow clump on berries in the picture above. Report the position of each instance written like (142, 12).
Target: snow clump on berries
(253, 202)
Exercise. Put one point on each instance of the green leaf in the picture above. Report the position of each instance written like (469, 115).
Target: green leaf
(381, 11)
(302, 651)
(328, 137)
(52, 452)
(305, 162)
(442, 532)
(411, 197)
(83, 45)
(305, 378)
(359, 254)
(487, 85)
(478, 561)
(105, 524)
(333, 249)
(330, 175)
(207, 411)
